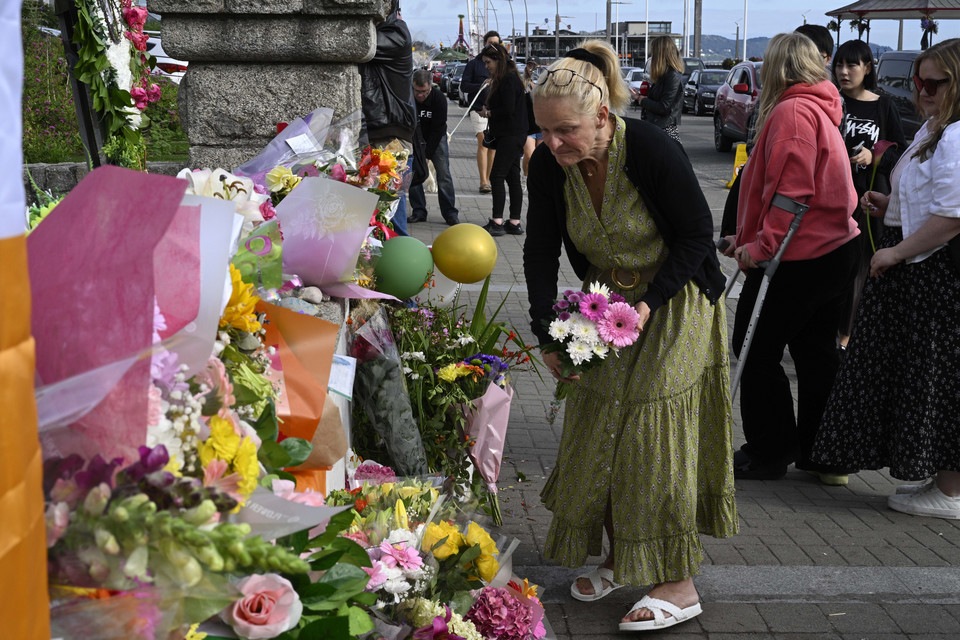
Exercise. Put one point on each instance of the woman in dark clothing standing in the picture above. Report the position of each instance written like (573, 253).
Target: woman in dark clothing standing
(869, 118)
(662, 105)
(506, 109)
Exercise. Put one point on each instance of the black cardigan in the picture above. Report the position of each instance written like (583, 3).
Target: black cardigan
(659, 169)
(508, 107)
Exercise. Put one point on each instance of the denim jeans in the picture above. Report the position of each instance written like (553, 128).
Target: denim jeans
(445, 193)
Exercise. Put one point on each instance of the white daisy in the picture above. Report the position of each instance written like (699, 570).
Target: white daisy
(579, 352)
(596, 287)
(601, 350)
(559, 329)
(584, 331)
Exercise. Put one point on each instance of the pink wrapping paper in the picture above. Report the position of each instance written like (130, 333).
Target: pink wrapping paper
(94, 263)
(487, 423)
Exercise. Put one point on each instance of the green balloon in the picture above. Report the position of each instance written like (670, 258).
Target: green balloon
(404, 267)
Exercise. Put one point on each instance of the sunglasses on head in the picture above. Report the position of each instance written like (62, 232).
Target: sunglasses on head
(929, 85)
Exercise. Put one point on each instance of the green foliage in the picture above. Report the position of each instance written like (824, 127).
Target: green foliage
(728, 63)
(50, 131)
(164, 136)
(124, 152)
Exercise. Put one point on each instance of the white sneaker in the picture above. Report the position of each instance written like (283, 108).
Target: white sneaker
(913, 488)
(927, 502)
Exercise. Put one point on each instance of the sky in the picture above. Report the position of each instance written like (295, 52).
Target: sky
(436, 21)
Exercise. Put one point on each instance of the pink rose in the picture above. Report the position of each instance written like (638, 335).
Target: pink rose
(153, 92)
(136, 17)
(139, 96)
(287, 490)
(269, 607)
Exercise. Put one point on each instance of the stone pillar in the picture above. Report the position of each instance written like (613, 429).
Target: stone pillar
(254, 63)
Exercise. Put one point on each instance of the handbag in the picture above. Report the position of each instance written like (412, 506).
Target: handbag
(488, 140)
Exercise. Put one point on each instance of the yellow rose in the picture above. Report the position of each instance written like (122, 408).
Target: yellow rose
(222, 444)
(478, 535)
(435, 533)
(275, 178)
(487, 567)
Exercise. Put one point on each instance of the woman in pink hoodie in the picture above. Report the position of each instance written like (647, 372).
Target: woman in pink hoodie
(799, 154)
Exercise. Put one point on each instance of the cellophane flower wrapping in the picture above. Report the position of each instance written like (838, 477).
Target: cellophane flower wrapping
(382, 399)
(486, 427)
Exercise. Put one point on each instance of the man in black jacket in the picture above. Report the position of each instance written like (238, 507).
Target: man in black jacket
(474, 81)
(386, 95)
(432, 120)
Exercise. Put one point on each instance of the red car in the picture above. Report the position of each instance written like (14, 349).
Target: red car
(437, 72)
(736, 101)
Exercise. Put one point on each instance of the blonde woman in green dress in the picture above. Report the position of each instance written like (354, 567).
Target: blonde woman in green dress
(645, 451)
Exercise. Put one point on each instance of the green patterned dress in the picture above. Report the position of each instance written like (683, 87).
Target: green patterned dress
(649, 431)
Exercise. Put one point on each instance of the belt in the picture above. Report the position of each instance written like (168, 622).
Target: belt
(630, 279)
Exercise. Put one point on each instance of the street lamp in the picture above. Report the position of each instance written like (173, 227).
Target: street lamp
(617, 31)
(556, 32)
(513, 32)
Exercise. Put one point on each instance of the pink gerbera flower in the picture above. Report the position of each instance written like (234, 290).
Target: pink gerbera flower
(593, 306)
(618, 326)
(400, 555)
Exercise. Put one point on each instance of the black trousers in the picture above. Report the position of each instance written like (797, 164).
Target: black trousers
(506, 172)
(802, 311)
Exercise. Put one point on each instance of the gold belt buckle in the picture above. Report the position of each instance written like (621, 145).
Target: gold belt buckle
(633, 284)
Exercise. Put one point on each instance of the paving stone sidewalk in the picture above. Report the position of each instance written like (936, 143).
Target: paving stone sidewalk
(810, 562)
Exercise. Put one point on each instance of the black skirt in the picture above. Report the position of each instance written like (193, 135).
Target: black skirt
(896, 399)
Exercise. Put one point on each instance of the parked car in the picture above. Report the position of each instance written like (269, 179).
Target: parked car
(168, 67)
(445, 78)
(689, 66)
(700, 92)
(895, 73)
(736, 101)
(437, 72)
(453, 84)
(626, 71)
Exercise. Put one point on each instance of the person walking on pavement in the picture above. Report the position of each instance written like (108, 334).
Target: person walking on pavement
(645, 448)
(475, 80)
(386, 96)
(534, 137)
(869, 118)
(664, 102)
(506, 109)
(799, 156)
(896, 402)
(432, 120)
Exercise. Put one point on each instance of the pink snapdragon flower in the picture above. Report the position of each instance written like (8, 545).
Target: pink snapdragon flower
(618, 326)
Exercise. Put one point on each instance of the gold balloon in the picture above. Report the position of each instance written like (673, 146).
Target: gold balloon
(465, 253)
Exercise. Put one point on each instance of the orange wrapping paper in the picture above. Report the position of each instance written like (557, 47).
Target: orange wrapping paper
(305, 346)
(24, 606)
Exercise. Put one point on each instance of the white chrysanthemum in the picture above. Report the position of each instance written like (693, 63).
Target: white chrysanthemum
(584, 331)
(601, 350)
(402, 536)
(579, 352)
(559, 329)
(596, 287)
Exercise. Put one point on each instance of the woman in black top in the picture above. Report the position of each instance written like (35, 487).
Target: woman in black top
(662, 105)
(506, 109)
(868, 119)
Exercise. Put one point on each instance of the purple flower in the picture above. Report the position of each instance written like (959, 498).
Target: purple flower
(563, 315)
(616, 297)
(438, 630)
(562, 304)
(575, 297)
(498, 614)
(98, 471)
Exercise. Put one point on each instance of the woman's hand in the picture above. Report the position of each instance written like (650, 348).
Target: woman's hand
(484, 112)
(731, 246)
(552, 360)
(883, 260)
(644, 311)
(635, 95)
(744, 259)
(874, 203)
(864, 157)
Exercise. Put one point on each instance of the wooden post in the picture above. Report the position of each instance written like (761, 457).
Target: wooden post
(91, 131)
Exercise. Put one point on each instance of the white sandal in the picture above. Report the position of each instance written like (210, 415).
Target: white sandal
(659, 621)
(596, 578)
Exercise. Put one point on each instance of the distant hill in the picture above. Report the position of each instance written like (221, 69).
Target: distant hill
(717, 48)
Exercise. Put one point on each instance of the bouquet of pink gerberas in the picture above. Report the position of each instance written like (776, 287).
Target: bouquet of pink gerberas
(588, 327)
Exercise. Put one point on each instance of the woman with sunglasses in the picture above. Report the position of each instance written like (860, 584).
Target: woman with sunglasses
(646, 435)
(868, 119)
(799, 159)
(896, 402)
(506, 109)
(664, 102)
